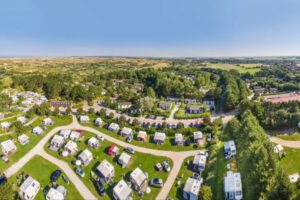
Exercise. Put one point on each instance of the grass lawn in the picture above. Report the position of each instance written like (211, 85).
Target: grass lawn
(167, 146)
(291, 162)
(293, 137)
(34, 139)
(242, 68)
(145, 162)
(41, 170)
(181, 114)
(183, 175)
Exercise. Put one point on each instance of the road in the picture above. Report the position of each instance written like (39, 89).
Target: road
(176, 157)
(31, 121)
(286, 143)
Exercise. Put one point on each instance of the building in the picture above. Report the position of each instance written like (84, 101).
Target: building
(142, 136)
(278, 149)
(273, 90)
(210, 104)
(165, 105)
(139, 180)
(106, 171)
(179, 139)
(114, 127)
(71, 147)
(8, 147)
(122, 191)
(124, 105)
(54, 194)
(124, 159)
(194, 109)
(48, 121)
(84, 119)
(93, 142)
(258, 90)
(63, 104)
(29, 188)
(56, 142)
(199, 163)
(23, 139)
(191, 189)
(65, 133)
(5, 125)
(113, 150)
(126, 132)
(191, 101)
(22, 120)
(294, 177)
(198, 138)
(174, 99)
(86, 157)
(98, 121)
(233, 186)
(75, 135)
(229, 149)
(37, 130)
(159, 138)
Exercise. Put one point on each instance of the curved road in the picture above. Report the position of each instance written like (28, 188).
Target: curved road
(176, 157)
(286, 143)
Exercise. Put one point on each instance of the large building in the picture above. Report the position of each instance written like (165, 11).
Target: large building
(233, 186)
(29, 189)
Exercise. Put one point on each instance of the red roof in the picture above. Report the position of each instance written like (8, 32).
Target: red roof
(111, 149)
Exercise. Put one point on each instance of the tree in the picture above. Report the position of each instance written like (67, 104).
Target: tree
(102, 112)
(111, 115)
(91, 110)
(5, 101)
(19, 128)
(55, 112)
(68, 110)
(80, 111)
(6, 191)
(135, 122)
(180, 125)
(150, 92)
(205, 193)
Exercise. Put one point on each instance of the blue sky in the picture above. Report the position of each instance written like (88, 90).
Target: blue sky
(149, 28)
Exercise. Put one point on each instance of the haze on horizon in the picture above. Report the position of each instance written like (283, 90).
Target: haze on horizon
(168, 28)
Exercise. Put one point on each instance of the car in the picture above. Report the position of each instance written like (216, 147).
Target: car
(158, 167)
(66, 179)
(129, 139)
(130, 150)
(166, 166)
(100, 188)
(208, 139)
(156, 182)
(100, 137)
(80, 172)
(197, 176)
(187, 142)
(163, 118)
(55, 175)
(4, 158)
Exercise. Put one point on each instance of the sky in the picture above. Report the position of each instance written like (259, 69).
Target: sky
(157, 28)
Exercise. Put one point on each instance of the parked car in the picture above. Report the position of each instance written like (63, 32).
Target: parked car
(4, 158)
(100, 188)
(3, 179)
(130, 150)
(158, 167)
(55, 175)
(208, 139)
(156, 182)
(80, 172)
(66, 179)
(197, 176)
(129, 139)
(166, 166)
(187, 142)
(100, 137)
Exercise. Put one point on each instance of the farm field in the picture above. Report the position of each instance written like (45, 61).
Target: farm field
(242, 68)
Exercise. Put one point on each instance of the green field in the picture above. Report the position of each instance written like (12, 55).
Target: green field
(41, 170)
(292, 137)
(242, 68)
(145, 162)
(291, 162)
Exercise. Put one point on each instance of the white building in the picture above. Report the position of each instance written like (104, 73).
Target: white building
(98, 122)
(93, 142)
(23, 139)
(179, 139)
(57, 142)
(114, 127)
(122, 191)
(139, 180)
(198, 138)
(199, 163)
(233, 186)
(106, 171)
(191, 189)
(124, 159)
(75, 135)
(37, 130)
(65, 133)
(229, 149)
(48, 121)
(54, 194)
(142, 136)
(8, 147)
(71, 147)
(29, 189)
(126, 132)
(22, 120)
(84, 119)
(86, 157)
(5, 125)
(159, 138)
(294, 177)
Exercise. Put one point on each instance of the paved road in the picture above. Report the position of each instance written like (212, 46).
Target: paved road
(286, 143)
(31, 121)
(176, 157)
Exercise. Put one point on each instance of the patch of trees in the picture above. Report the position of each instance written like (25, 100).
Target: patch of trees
(262, 175)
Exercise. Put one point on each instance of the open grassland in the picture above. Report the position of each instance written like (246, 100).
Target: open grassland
(242, 68)
(41, 170)
(291, 162)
